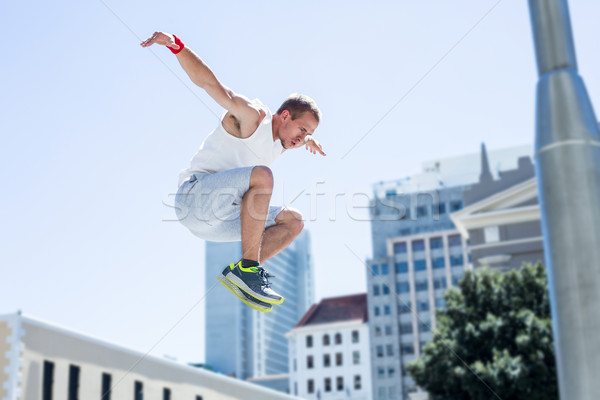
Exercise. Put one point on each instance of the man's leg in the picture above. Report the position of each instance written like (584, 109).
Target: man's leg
(288, 225)
(255, 208)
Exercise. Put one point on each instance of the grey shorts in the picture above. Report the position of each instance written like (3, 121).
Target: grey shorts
(209, 205)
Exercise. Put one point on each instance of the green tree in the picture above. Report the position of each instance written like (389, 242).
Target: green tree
(495, 336)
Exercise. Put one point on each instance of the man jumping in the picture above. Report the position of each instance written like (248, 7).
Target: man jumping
(224, 195)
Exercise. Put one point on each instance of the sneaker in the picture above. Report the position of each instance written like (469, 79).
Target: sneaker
(254, 281)
(246, 298)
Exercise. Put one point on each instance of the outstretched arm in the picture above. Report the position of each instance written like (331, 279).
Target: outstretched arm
(201, 75)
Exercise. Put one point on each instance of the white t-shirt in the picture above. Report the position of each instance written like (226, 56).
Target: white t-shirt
(222, 151)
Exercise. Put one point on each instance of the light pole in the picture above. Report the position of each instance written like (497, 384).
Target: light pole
(567, 152)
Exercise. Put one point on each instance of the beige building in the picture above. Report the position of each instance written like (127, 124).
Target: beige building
(40, 361)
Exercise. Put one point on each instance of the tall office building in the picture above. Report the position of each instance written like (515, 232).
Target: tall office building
(417, 254)
(246, 343)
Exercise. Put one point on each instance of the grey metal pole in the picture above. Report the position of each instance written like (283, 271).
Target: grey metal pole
(568, 175)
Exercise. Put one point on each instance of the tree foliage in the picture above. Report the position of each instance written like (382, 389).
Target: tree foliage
(495, 336)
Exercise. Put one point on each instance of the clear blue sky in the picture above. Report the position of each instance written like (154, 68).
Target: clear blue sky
(95, 130)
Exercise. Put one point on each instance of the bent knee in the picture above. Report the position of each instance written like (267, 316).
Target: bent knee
(293, 219)
(261, 176)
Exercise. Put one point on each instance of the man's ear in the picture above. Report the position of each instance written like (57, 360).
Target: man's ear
(285, 114)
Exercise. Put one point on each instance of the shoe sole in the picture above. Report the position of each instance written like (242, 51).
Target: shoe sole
(243, 287)
(240, 295)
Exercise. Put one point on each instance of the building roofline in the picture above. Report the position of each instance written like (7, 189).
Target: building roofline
(164, 361)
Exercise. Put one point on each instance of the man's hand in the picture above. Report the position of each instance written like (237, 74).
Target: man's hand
(161, 38)
(313, 145)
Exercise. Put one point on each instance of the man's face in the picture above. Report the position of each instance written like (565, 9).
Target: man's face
(293, 132)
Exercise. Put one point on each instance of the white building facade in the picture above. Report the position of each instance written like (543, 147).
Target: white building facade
(41, 361)
(329, 351)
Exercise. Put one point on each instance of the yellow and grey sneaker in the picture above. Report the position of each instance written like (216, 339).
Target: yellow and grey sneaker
(254, 281)
(246, 298)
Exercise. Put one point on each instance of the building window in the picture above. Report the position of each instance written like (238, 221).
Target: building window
(392, 392)
(403, 287)
(404, 308)
(491, 234)
(391, 372)
(166, 394)
(295, 388)
(423, 305)
(385, 289)
(438, 263)
(376, 311)
(456, 205)
(406, 328)
(420, 265)
(357, 383)
(74, 372)
(387, 309)
(326, 360)
(198, 397)
(388, 330)
(309, 341)
(455, 280)
(377, 331)
(401, 267)
(356, 357)
(400, 248)
(436, 243)
(328, 384)
(418, 245)
(338, 359)
(380, 372)
(295, 365)
(440, 283)
(355, 337)
(310, 386)
(420, 285)
(384, 269)
(138, 391)
(325, 340)
(441, 208)
(309, 362)
(421, 211)
(408, 349)
(375, 270)
(340, 383)
(389, 350)
(379, 351)
(454, 241)
(424, 327)
(48, 382)
(456, 260)
(375, 290)
(106, 386)
(338, 338)
(440, 303)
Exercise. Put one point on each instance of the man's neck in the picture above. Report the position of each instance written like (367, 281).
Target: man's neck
(275, 123)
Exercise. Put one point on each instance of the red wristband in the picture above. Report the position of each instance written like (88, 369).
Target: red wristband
(179, 43)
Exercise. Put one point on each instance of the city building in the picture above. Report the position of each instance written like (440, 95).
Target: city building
(245, 343)
(501, 217)
(417, 254)
(41, 361)
(329, 351)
